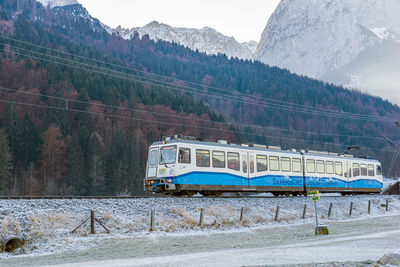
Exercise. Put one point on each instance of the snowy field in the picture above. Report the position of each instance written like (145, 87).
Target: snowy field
(46, 225)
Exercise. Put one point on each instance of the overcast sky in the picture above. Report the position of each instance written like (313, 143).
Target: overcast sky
(243, 19)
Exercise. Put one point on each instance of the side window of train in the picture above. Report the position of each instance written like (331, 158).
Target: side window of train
(274, 163)
(311, 166)
(285, 164)
(218, 159)
(339, 168)
(356, 169)
(371, 171)
(378, 170)
(202, 158)
(184, 155)
(251, 164)
(153, 157)
(244, 163)
(329, 167)
(320, 166)
(233, 161)
(363, 169)
(262, 163)
(296, 165)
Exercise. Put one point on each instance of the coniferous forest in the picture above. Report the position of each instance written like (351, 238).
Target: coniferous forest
(79, 106)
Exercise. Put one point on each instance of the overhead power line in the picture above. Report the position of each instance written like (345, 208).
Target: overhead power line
(175, 124)
(295, 107)
(183, 117)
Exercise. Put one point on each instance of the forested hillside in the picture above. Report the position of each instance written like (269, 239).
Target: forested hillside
(79, 106)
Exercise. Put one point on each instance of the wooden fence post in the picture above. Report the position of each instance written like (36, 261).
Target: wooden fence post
(330, 210)
(387, 204)
(241, 215)
(304, 211)
(277, 213)
(369, 206)
(92, 222)
(152, 218)
(201, 220)
(351, 208)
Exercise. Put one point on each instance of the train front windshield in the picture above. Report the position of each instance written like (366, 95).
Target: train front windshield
(167, 155)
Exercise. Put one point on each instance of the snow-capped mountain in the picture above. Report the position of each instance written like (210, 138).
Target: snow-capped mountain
(354, 43)
(55, 3)
(205, 40)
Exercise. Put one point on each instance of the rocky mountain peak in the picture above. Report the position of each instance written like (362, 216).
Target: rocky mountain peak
(58, 3)
(317, 38)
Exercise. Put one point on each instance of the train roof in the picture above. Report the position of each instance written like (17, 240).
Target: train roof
(271, 149)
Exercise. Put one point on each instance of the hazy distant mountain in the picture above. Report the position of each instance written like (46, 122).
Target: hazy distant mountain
(205, 40)
(353, 43)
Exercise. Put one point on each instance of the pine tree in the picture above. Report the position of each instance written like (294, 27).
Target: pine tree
(5, 160)
(75, 179)
(96, 164)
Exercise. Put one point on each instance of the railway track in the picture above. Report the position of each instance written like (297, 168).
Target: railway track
(134, 197)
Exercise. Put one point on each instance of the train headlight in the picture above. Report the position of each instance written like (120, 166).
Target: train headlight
(169, 181)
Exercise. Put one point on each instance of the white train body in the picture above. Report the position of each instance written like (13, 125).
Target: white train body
(181, 166)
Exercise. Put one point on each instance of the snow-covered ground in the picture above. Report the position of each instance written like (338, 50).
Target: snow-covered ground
(46, 225)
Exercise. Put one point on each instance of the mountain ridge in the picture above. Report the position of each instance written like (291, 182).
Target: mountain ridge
(316, 38)
(206, 40)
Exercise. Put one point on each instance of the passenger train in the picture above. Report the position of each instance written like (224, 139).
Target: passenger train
(180, 165)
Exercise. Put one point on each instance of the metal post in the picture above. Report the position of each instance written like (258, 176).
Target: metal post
(277, 213)
(241, 215)
(304, 211)
(152, 217)
(351, 208)
(330, 210)
(201, 221)
(92, 222)
(369, 206)
(316, 216)
(387, 204)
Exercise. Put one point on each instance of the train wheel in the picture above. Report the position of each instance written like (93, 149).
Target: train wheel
(276, 194)
(287, 194)
(218, 194)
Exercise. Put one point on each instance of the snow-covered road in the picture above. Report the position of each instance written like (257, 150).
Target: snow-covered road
(338, 249)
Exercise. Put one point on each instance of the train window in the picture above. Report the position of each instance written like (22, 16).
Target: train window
(218, 159)
(320, 166)
(339, 168)
(202, 158)
(285, 162)
(233, 161)
(184, 155)
(329, 167)
(371, 171)
(363, 169)
(274, 163)
(378, 170)
(244, 163)
(251, 164)
(167, 155)
(296, 165)
(153, 157)
(311, 166)
(356, 169)
(262, 163)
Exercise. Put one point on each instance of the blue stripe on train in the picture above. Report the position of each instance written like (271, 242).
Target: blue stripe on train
(334, 182)
(215, 178)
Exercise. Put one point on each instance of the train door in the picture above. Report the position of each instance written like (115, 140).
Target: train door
(245, 169)
(152, 163)
(252, 171)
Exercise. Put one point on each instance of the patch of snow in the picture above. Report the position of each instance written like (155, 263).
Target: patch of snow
(55, 3)
(46, 225)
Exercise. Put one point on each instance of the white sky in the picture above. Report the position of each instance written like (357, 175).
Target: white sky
(243, 19)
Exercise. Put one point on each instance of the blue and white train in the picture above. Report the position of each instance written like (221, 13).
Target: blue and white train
(185, 166)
